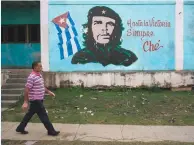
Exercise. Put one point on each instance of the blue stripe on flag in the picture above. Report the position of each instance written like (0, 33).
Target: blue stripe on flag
(77, 44)
(58, 28)
(60, 41)
(70, 19)
(60, 38)
(67, 26)
(74, 31)
(67, 33)
(61, 51)
(60, 45)
(69, 48)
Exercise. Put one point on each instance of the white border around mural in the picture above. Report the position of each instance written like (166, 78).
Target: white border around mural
(179, 52)
(44, 34)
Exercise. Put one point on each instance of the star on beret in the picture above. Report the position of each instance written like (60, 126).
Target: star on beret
(103, 11)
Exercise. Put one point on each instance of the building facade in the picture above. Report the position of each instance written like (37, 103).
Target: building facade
(112, 43)
(20, 33)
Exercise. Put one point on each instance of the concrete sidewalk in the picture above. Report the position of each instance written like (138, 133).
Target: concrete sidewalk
(89, 132)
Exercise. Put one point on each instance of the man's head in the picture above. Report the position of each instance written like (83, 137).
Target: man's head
(104, 26)
(37, 66)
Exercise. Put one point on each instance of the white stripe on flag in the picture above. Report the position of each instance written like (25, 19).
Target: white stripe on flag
(70, 28)
(74, 47)
(64, 43)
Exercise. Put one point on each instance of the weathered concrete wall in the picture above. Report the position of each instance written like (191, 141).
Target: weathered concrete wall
(163, 79)
(114, 79)
(4, 76)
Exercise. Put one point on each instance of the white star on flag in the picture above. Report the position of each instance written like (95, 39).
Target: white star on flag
(62, 20)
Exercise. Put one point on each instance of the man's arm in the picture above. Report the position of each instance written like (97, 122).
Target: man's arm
(28, 85)
(49, 92)
(26, 92)
(46, 90)
(26, 98)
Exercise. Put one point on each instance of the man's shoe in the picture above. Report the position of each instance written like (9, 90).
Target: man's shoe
(21, 131)
(53, 133)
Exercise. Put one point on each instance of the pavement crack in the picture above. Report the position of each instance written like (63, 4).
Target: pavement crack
(76, 132)
(105, 138)
(122, 127)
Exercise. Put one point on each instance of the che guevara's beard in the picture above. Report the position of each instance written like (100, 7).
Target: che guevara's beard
(98, 45)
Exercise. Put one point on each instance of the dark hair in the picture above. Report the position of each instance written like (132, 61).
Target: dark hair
(117, 32)
(34, 64)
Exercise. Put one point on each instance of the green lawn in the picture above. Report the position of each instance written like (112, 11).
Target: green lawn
(10, 142)
(141, 107)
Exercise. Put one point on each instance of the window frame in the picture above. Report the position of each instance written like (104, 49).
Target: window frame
(4, 30)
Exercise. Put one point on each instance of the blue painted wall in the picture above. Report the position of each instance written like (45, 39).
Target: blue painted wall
(20, 16)
(162, 38)
(189, 36)
(19, 55)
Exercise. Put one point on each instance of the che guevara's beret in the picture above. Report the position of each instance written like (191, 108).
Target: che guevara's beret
(103, 11)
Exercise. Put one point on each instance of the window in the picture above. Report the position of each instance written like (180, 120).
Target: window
(34, 33)
(3, 31)
(20, 33)
(11, 33)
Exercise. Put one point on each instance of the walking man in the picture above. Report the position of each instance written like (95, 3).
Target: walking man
(33, 97)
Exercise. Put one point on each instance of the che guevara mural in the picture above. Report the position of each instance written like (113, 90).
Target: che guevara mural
(111, 37)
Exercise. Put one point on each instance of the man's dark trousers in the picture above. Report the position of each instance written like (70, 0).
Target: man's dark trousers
(36, 106)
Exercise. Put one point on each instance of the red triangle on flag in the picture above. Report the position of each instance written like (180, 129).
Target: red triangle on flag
(61, 20)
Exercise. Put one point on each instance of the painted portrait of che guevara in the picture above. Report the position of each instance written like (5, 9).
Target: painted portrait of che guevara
(102, 41)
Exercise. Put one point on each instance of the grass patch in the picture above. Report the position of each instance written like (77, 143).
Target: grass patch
(11, 142)
(117, 106)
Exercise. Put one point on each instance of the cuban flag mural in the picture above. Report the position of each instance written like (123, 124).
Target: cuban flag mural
(67, 34)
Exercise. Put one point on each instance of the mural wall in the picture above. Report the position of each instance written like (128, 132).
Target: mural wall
(189, 36)
(111, 37)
